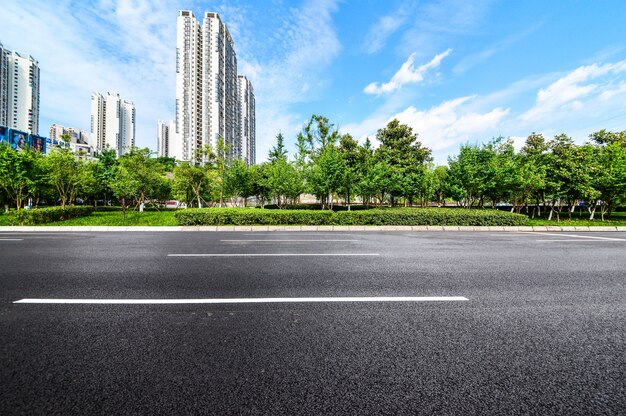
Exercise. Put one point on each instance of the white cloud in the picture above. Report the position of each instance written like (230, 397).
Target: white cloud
(305, 44)
(384, 27)
(440, 127)
(117, 46)
(407, 74)
(566, 93)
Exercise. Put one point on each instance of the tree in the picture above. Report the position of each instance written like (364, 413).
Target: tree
(105, 172)
(146, 172)
(125, 187)
(348, 149)
(190, 183)
(278, 151)
(18, 173)
(260, 179)
(65, 172)
(238, 181)
(406, 157)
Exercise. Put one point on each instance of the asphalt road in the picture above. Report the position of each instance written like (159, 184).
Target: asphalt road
(543, 329)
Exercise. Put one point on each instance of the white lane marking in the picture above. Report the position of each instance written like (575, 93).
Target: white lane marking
(285, 241)
(11, 239)
(578, 236)
(573, 241)
(298, 233)
(248, 300)
(273, 255)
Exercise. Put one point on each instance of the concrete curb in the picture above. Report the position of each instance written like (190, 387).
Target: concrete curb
(338, 228)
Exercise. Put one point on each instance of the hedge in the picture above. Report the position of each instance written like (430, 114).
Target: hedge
(395, 216)
(45, 215)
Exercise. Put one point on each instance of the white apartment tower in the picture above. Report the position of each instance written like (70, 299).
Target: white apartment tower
(165, 132)
(112, 122)
(207, 101)
(247, 119)
(19, 91)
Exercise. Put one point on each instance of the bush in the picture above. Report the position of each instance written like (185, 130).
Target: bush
(395, 216)
(45, 215)
(247, 216)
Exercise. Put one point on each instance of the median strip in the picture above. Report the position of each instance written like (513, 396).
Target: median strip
(244, 300)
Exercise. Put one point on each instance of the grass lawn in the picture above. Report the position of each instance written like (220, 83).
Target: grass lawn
(616, 219)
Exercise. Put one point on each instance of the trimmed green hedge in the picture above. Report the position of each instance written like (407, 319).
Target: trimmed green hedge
(45, 215)
(395, 216)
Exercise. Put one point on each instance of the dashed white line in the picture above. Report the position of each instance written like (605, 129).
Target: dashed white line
(286, 241)
(274, 255)
(11, 239)
(245, 300)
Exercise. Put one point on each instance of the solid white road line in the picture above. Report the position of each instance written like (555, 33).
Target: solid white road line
(579, 236)
(275, 255)
(574, 241)
(246, 300)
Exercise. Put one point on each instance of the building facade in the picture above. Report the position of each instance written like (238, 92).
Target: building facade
(207, 98)
(77, 136)
(112, 122)
(247, 128)
(165, 130)
(19, 91)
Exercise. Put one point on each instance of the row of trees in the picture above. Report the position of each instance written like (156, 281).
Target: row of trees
(551, 174)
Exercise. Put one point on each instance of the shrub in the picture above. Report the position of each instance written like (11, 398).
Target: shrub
(45, 215)
(247, 216)
(395, 216)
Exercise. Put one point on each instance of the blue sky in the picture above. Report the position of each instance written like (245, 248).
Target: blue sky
(456, 71)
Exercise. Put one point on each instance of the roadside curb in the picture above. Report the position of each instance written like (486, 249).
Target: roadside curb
(339, 228)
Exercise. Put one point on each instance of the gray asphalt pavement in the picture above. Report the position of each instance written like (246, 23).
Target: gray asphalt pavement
(543, 329)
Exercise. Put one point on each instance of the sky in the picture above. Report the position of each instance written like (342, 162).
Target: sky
(456, 71)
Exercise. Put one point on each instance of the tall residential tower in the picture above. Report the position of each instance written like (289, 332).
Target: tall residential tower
(19, 91)
(247, 128)
(207, 98)
(112, 122)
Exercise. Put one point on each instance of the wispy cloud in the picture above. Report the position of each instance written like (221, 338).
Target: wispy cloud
(386, 26)
(302, 47)
(407, 74)
(569, 92)
(584, 100)
(472, 60)
(116, 46)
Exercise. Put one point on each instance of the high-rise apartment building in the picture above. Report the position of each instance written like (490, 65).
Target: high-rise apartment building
(112, 122)
(207, 98)
(247, 128)
(165, 142)
(19, 91)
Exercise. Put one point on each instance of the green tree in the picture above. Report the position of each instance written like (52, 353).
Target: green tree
(125, 186)
(65, 172)
(238, 181)
(18, 173)
(406, 157)
(278, 151)
(260, 179)
(190, 183)
(146, 172)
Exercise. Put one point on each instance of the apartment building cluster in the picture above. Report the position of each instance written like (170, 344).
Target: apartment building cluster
(213, 101)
